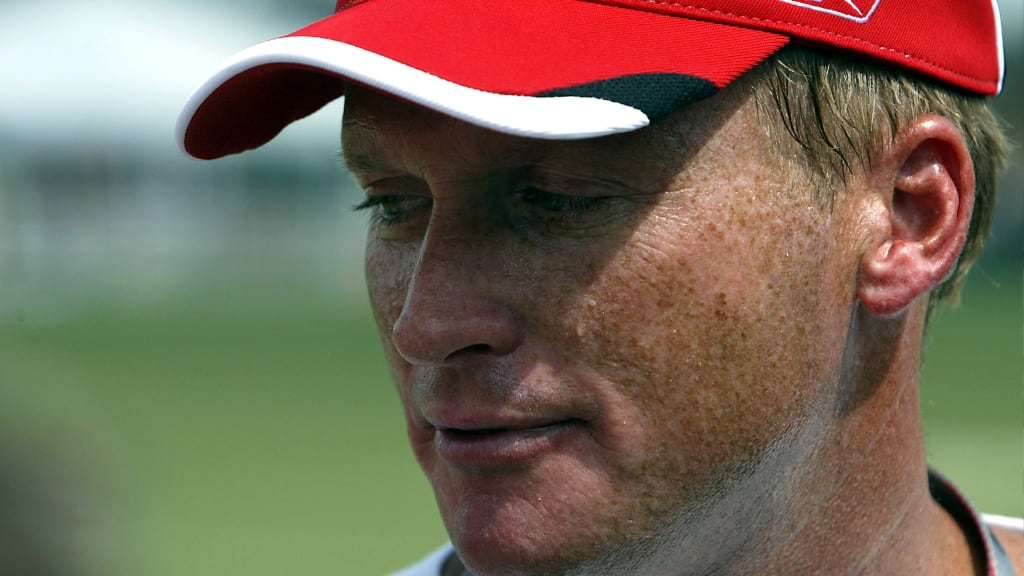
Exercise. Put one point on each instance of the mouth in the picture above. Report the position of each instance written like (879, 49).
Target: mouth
(501, 447)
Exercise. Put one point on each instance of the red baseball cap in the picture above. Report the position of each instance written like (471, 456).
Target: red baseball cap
(566, 69)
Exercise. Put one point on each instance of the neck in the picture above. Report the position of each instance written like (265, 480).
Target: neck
(863, 505)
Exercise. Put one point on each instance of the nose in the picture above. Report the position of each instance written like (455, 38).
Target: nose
(457, 303)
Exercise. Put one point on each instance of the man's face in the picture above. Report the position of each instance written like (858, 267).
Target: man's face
(608, 350)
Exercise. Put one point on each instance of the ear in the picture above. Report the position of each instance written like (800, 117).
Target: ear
(928, 180)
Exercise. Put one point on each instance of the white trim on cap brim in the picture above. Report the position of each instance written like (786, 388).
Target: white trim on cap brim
(554, 118)
(1000, 53)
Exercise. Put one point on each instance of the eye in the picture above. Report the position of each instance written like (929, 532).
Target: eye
(397, 217)
(554, 202)
(562, 206)
(393, 209)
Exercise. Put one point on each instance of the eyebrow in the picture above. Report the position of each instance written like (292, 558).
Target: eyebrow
(363, 158)
(358, 158)
(360, 162)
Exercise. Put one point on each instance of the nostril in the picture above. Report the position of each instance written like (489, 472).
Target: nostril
(476, 349)
(486, 330)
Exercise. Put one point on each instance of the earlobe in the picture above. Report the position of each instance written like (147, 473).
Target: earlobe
(926, 217)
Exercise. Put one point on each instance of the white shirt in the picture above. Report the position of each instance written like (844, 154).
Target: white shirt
(429, 566)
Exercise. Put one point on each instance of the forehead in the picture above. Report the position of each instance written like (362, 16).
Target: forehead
(382, 133)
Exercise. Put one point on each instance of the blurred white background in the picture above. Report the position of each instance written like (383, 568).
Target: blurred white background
(98, 206)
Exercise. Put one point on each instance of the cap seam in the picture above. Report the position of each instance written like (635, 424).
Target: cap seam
(824, 31)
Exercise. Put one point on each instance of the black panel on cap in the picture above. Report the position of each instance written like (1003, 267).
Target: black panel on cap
(656, 95)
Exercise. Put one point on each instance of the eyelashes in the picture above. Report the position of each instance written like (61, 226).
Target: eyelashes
(563, 207)
(393, 209)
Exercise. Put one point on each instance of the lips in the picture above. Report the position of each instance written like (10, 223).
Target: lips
(503, 446)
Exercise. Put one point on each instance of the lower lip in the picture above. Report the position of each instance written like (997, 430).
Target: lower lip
(501, 447)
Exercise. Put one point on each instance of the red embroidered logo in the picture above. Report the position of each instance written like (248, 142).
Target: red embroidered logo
(857, 10)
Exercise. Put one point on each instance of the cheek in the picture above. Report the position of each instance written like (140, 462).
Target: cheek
(708, 334)
(389, 268)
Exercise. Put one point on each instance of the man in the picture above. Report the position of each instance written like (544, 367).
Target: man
(652, 277)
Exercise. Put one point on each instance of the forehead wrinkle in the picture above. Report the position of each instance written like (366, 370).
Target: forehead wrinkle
(359, 141)
(432, 147)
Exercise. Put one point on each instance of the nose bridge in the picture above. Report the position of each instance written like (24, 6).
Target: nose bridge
(447, 268)
(455, 301)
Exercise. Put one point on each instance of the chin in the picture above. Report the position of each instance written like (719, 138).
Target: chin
(489, 559)
(507, 540)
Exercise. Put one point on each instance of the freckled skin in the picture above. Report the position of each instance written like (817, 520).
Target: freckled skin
(694, 327)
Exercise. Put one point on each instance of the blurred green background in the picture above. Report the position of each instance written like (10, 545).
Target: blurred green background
(189, 379)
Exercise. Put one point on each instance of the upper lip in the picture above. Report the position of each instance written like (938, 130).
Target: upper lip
(495, 398)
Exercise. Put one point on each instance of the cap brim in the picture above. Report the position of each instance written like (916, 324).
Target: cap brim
(554, 69)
